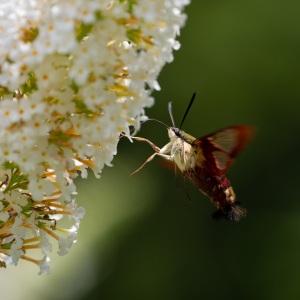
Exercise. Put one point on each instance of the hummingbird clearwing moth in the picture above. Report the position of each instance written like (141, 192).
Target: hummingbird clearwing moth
(205, 161)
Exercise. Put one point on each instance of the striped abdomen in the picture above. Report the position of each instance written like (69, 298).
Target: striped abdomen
(219, 190)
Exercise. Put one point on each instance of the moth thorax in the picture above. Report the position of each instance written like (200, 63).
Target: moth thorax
(183, 154)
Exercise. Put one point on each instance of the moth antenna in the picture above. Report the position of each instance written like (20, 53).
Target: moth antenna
(187, 110)
(171, 113)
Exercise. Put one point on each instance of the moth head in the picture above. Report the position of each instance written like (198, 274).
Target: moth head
(171, 133)
(174, 132)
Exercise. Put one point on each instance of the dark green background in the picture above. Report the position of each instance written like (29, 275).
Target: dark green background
(242, 58)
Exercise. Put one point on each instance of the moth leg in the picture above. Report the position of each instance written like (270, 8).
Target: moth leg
(185, 188)
(168, 157)
(176, 176)
(149, 159)
(147, 141)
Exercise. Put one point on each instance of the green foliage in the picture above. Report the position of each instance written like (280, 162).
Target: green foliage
(16, 180)
(130, 4)
(134, 35)
(82, 30)
(30, 84)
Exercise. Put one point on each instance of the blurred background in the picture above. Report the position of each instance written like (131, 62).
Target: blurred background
(141, 237)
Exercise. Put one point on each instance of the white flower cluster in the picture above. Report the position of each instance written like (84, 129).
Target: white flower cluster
(74, 74)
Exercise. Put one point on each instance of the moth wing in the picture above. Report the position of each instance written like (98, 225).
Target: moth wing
(221, 147)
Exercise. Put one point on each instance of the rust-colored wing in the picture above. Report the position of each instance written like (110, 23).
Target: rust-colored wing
(221, 147)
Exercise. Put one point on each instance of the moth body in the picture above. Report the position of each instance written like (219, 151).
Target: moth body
(205, 161)
(185, 151)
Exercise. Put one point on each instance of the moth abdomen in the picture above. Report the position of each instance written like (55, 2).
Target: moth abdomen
(220, 191)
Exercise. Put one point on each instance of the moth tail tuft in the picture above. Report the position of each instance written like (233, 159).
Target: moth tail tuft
(232, 212)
